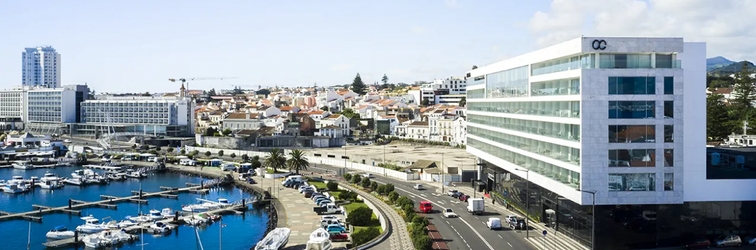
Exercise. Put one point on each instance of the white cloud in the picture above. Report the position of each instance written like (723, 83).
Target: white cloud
(341, 67)
(727, 26)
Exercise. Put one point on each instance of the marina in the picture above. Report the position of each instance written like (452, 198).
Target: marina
(116, 201)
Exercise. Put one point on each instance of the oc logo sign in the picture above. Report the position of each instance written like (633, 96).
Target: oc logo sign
(598, 44)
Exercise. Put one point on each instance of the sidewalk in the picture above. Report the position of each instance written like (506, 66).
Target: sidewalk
(552, 240)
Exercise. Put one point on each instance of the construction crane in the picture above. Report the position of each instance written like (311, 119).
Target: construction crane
(186, 80)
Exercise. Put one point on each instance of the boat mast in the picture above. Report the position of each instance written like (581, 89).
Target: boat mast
(28, 240)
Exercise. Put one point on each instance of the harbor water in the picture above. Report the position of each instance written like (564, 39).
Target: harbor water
(238, 231)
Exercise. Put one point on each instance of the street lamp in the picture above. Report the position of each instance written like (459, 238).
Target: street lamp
(527, 200)
(384, 159)
(593, 216)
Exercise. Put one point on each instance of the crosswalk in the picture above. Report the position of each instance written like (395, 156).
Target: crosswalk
(554, 243)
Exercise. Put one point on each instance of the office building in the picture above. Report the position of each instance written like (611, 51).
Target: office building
(47, 110)
(40, 67)
(621, 120)
(12, 109)
(155, 116)
(447, 91)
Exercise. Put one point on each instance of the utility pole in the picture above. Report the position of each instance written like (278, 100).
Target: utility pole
(442, 173)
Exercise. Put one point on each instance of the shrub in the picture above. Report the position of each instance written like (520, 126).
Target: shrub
(409, 215)
(344, 196)
(347, 177)
(360, 216)
(365, 183)
(422, 242)
(208, 153)
(220, 153)
(353, 196)
(332, 186)
(381, 189)
(408, 208)
(393, 195)
(365, 235)
(405, 201)
(356, 179)
(417, 230)
(420, 221)
(389, 188)
(373, 185)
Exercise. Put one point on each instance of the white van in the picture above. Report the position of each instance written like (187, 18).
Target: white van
(295, 178)
(152, 159)
(187, 162)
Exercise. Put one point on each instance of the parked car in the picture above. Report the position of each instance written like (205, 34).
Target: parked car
(337, 237)
(750, 240)
(308, 193)
(464, 197)
(698, 244)
(452, 192)
(229, 167)
(335, 229)
(418, 187)
(367, 175)
(449, 213)
(306, 188)
(67, 140)
(328, 217)
(510, 218)
(728, 241)
(457, 194)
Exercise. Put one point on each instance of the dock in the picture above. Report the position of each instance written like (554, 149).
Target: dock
(106, 201)
(92, 166)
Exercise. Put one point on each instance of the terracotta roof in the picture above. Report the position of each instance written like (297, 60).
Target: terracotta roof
(317, 112)
(402, 120)
(242, 116)
(419, 123)
(333, 116)
(722, 90)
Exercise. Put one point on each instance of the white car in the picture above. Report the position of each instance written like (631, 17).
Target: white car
(449, 213)
(418, 187)
(367, 175)
(67, 141)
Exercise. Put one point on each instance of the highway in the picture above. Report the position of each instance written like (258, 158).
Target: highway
(465, 232)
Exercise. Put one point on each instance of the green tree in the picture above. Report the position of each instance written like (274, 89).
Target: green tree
(425, 102)
(227, 132)
(233, 155)
(360, 216)
(718, 123)
(256, 162)
(210, 131)
(373, 185)
(297, 161)
(744, 92)
(393, 196)
(463, 101)
(220, 153)
(349, 113)
(245, 158)
(275, 160)
(332, 186)
(422, 242)
(358, 86)
(169, 149)
(365, 183)
(356, 179)
(182, 152)
(208, 153)
(348, 177)
(384, 79)
(363, 236)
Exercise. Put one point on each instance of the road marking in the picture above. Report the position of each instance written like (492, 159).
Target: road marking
(423, 195)
(500, 237)
(510, 245)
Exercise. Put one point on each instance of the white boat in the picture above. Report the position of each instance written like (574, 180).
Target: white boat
(275, 240)
(135, 174)
(155, 214)
(159, 228)
(15, 188)
(116, 176)
(126, 223)
(320, 239)
(78, 174)
(191, 221)
(22, 165)
(50, 177)
(50, 184)
(139, 219)
(59, 233)
(95, 241)
(195, 208)
(17, 179)
(91, 225)
(167, 213)
(74, 181)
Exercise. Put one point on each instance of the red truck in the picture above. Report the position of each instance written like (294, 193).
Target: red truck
(426, 207)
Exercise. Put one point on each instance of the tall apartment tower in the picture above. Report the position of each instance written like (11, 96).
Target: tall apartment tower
(40, 67)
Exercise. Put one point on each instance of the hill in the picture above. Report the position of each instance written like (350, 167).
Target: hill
(732, 68)
(716, 62)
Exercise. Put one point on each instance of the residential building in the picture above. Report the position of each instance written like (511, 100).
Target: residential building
(459, 131)
(40, 67)
(336, 120)
(447, 91)
(417, 130)
(620, 118)
(148, 115)
(239, 121)
(330, 132)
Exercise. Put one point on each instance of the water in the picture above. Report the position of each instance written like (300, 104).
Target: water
(241, 232)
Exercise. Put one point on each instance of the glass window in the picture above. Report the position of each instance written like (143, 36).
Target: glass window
(555, 130)
(563, 64)
(555, 87)
(669, 182)
(632, 133)
(570, 109)
(632, 158)
(632, 85)
(478, 93)
(669, 109)
(669, 133)
(664, 61)
(508, 83)
(632, 110)
(624, 61)
(669, 85)
(632, 182)
(669, 157)
(554, 151)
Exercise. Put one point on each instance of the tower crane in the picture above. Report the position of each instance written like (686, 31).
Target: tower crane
(186, 80)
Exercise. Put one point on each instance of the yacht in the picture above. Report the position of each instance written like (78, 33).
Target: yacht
(59, 233)
(139, 219)
(75, 181)
(22, 165)
(200, 207)
(17, 179)
(15, 188)
(116, 176)
(320, 239)
(275, 240)
(211, 205)
(159, 228)
(155, 214)
(50, 177)
(91, 225)
(50, 184)
(167, 213)
(126, 223)
(78, 174)
(135, 174)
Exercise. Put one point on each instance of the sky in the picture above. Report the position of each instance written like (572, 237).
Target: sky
(135, 46)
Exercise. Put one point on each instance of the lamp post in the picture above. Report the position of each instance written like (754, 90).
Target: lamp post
(527, 200)
(384, 159)
(442, 173)
(593, 216)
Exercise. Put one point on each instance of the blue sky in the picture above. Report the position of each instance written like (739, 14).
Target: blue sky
(135, 46)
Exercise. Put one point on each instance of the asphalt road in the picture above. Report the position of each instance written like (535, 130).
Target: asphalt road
(465, 232)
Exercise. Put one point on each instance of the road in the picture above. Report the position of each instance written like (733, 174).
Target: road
(465, 232)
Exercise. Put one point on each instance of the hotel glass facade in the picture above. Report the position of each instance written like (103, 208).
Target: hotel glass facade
(578, 117)
(165, 117)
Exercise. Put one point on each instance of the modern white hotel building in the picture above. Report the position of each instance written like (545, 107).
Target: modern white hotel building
(620, 118)
(154, 116)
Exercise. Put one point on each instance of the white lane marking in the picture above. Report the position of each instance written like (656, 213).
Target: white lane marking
(460, 236)
(510, 245)
(463, 221)
(500, 237)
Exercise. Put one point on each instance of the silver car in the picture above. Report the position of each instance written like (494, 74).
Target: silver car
(728, 241)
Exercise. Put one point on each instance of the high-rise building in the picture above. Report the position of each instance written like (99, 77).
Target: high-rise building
(616, 121)
(40, 66)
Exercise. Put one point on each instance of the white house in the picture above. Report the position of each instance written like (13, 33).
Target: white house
(330, 132)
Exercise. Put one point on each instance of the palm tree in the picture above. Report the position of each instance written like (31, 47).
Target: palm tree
(297, 161)
(275, 160)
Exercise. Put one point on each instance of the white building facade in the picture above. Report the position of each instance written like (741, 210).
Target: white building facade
(12, 108)
(48, 110)
(165, 116)
(603, 115)
(40, 66)
(447, 91)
